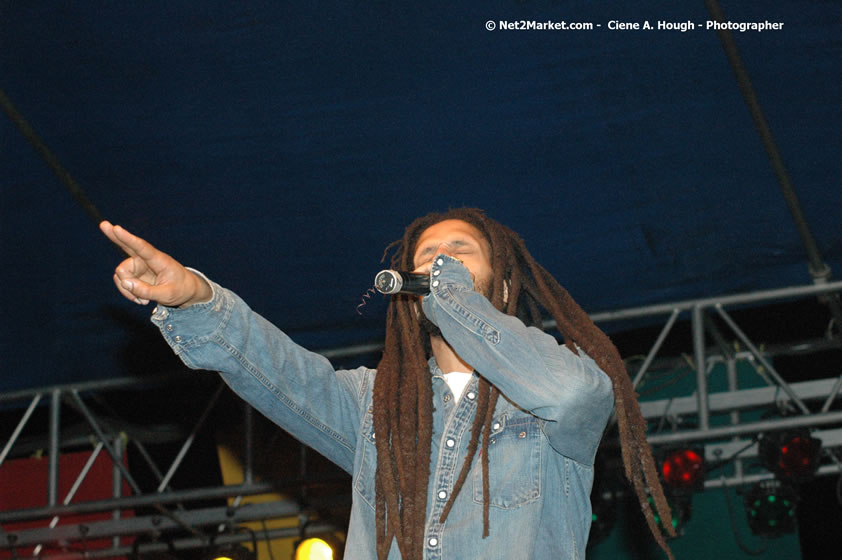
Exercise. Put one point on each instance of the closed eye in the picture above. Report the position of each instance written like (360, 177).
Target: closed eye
(456, 246)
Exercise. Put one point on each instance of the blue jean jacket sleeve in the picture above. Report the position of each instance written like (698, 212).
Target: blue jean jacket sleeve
(297, 389)
(528, 366)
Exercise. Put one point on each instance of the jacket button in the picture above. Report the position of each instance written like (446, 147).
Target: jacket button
(450, 442)
(433, 541)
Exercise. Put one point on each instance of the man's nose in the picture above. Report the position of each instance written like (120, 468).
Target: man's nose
(444, 248)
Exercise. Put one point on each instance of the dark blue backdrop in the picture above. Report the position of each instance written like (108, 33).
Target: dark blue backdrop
(279, 147)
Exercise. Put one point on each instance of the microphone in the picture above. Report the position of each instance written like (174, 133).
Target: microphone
(400, 282)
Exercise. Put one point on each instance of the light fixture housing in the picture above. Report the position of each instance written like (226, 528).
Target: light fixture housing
(233, 551)
(681, 509)
(603, 515)
(683, 469)
(792, 455)
(770, 507)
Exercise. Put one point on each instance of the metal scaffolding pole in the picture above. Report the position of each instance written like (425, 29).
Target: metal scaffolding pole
(19, 428)
(189, 442)
(656, 347)
(55, 419)
(818, 269)
(701, 367)
(759, 355)
(732, 440)
(687, 436)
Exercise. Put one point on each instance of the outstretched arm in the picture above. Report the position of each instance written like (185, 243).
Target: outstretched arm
(296, 389)
(149, 274)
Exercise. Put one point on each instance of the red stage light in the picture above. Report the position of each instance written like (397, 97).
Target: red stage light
(683, 468)
(792, 455)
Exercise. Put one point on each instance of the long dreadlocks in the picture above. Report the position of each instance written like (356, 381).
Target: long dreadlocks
(403, 394)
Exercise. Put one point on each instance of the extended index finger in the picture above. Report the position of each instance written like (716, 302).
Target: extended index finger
(107, 228)
(130, 243)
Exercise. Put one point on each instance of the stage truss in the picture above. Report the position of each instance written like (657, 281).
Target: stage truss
(723, 422)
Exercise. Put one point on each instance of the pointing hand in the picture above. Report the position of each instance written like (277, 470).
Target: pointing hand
(150, 274)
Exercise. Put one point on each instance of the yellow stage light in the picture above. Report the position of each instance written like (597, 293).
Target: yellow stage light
(314, 549)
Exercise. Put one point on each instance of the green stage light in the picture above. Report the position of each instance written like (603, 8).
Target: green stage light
(681, 508)
(604, 508)
(770, 506)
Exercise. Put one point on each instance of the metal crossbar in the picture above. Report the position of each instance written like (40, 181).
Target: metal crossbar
(690, 416)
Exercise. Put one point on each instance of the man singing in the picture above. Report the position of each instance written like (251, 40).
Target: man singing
(475, 436)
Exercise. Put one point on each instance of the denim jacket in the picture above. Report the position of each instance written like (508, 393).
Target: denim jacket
(545, 429)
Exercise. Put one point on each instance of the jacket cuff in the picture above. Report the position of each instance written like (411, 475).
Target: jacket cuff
(193, 325)
(446, 273)
(449, 271)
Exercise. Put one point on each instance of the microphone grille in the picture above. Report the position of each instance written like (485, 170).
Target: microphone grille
(388, 282)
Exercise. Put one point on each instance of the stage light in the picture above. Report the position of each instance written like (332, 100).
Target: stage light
(603, 517)
(770, 506)
(792, 455)
(324, 547)
(683, 469)
(145, 549)
(609, 485)
(230, 552)
(681, 509)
